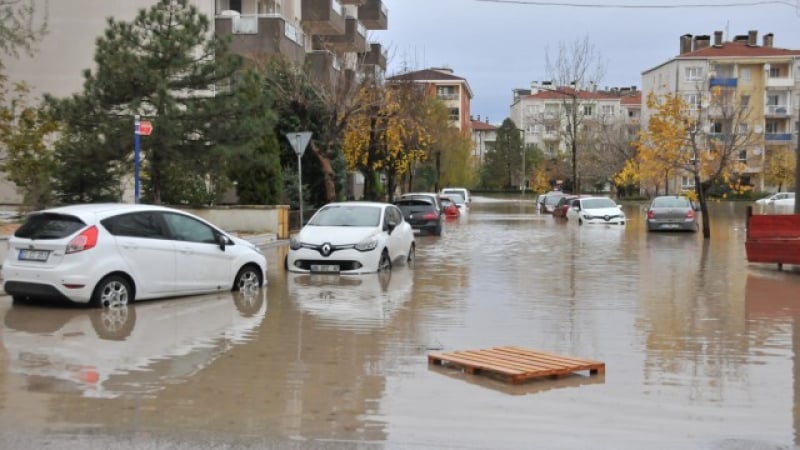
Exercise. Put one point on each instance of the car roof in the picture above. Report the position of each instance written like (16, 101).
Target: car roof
(418, 198)
(87, 210)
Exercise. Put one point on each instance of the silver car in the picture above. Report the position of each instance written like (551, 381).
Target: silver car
(671, 212)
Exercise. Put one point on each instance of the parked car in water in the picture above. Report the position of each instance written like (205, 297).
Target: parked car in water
(351, 238)
(671, 212)
(460, 191)
(547, 202)
(113, 254)
(779, 198)
(563, 205)
(433, 196)
(596, 210)
(421, 213)
(451, 210)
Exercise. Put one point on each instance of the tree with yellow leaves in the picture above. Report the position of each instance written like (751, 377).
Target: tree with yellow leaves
(705, 142)
(386, 135)
(780, 167)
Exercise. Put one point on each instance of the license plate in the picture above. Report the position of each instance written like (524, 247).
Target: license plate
(416, 230)
(671, 226)
(324, 267)
(33, 255)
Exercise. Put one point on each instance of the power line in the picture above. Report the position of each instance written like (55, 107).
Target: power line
(795, 5)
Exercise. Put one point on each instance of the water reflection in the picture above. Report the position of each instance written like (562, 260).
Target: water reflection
(364, 301)
(127, 349)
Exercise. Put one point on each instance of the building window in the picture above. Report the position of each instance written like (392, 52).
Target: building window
(771, 127)
(743, 128)
(588, 110)
(687, 183)
(743, 155)
(692, 100)
(454, 114)
(744, 74)
(446, 93)
(745, 101)
(694, 73)
(774, 72)
(551, 109)
(550, 129)
(608, 110)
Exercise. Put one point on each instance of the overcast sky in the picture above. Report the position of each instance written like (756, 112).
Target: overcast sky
(501, 46)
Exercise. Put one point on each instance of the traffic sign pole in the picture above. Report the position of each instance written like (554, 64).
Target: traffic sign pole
(299, 141)
(136, 159)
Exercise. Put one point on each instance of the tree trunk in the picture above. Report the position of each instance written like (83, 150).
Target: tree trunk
(328, 174)
(701, 197)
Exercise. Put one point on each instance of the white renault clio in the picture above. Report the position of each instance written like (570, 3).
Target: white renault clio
(111, 254)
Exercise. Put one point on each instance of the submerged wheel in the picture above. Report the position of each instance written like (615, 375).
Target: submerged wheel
(412, 254)
(111, 291)
(385, 263)
(248, 279)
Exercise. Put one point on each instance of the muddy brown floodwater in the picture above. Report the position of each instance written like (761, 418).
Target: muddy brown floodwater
(700, 349)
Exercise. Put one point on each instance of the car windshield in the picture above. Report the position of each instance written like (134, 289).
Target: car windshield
(49, 226)
(671, 202)
(347, 216)
(457, 198)
(596, 203)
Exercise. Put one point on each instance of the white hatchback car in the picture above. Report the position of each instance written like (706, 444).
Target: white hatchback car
(352, 238)
(595, 210)
(111, 254)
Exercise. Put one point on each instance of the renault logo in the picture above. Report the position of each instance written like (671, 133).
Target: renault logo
(326, 249)
(606, 218)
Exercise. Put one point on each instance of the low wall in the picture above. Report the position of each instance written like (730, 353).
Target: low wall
(253, 219)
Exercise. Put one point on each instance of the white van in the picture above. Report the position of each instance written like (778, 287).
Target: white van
(463, 192)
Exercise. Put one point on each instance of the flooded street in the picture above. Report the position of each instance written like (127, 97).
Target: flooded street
(699, 346)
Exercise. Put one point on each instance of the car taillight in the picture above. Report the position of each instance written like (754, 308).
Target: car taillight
(690, 215)
(429, 216)
(650, 214)
(84, 241)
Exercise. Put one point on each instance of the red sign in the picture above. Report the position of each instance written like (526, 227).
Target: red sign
(145, 128)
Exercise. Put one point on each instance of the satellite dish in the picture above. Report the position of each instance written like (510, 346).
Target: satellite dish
(758, 129)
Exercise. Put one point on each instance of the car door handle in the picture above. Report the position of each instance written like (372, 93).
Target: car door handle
(186, 250)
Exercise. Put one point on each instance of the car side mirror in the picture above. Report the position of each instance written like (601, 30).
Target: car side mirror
(390, 226)
(222, 241)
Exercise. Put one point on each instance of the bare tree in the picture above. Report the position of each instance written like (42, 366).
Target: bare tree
(576, 70)
(19, 29)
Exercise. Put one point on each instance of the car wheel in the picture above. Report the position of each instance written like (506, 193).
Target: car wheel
(438, 230)
(580, 221)
(248, 279)
(412, 254)
(385, 263)
(112, 291)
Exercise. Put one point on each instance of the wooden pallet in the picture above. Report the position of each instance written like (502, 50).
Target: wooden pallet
(516, 365)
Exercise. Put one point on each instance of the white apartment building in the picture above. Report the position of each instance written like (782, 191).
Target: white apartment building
(541, 111)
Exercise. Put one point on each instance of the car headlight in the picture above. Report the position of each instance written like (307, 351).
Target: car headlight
(294, 244)
(365, 246)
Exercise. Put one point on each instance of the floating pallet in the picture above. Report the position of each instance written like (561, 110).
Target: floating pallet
(516, 365)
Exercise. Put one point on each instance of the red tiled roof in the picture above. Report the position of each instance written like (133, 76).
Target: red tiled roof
(739, 49)
(631, 100)
(479, 125)
(426, 74)
(568, 92)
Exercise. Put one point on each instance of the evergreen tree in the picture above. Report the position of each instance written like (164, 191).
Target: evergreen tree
(168, 67)
(503, 162)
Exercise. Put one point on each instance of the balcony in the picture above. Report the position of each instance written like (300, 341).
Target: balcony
(723, 82)
(373, 14)
(778, 138)
(375, 56)
(779, 111)
(262, 34)
(324, 66)
(323, 17)
(780, 82)
(721, 111)
(353, 40)
(353, 2)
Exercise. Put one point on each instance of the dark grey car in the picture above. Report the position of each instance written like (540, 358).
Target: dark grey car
(672, 212)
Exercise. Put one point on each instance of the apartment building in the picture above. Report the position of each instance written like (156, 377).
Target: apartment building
(332, 36)
(451, 89)
(484, 136)
(762, 79)
(541, 112)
